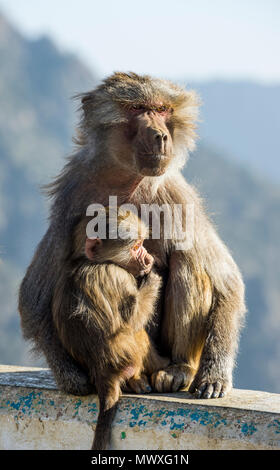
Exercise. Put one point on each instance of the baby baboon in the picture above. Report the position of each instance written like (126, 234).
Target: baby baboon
(134, 136)
(102, 304)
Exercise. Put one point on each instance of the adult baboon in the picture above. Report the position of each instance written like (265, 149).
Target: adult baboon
(133, 139)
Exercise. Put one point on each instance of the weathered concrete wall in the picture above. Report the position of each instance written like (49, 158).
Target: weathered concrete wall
(35, 415)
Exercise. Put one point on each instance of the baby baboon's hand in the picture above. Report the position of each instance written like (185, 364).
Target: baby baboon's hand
(141, 261)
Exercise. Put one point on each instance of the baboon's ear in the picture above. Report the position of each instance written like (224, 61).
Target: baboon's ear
(90, 247)
(86, 99)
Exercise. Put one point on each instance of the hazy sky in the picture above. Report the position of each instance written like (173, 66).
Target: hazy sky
(202, 39)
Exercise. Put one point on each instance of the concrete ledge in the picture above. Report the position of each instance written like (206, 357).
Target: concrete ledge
(35, 415)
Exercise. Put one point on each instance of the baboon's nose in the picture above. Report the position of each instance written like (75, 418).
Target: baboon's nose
(160, 139)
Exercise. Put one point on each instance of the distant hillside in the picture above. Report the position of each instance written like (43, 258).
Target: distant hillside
(36, 124)
(243, 119)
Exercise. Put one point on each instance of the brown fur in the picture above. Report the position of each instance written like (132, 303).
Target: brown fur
(100, 314)
(201, 303)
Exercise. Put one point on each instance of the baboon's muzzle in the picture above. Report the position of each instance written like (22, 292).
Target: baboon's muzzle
(152, 143)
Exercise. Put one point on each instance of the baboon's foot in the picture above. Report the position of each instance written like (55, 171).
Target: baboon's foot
(207, 385)
(138, 385)
(171, 379)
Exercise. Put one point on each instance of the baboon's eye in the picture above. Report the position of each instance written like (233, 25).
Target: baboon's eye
(162, 109)
(137, 107)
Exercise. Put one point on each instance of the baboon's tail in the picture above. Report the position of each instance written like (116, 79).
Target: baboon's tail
(103, 428)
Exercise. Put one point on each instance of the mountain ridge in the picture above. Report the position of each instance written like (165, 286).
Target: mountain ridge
(242, 119)
(37, 121)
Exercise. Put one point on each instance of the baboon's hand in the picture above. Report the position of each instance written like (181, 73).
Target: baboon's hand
(210, 385)
(138, 385)
(171, 379)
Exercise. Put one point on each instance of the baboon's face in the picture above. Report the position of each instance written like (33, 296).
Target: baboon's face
(144, 142)
(150, 139)
(148, 122)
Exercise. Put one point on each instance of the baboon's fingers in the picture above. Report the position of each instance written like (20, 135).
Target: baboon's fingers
(226, 387)
(170, 380)
(162, 381)
(140, 385)
(210, 390)
(199, 391)
(157, 380)
(178, 381)
(217, 389)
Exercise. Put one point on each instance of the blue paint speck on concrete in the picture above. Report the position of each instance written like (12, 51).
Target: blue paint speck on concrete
(142, 423)
(248, 429)
(275, 424)
(148, 414)
(92, 408)
(175, 419)
(77, 406)
(205, 418)
(177, 426)
(135, 412)
(25, 402)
